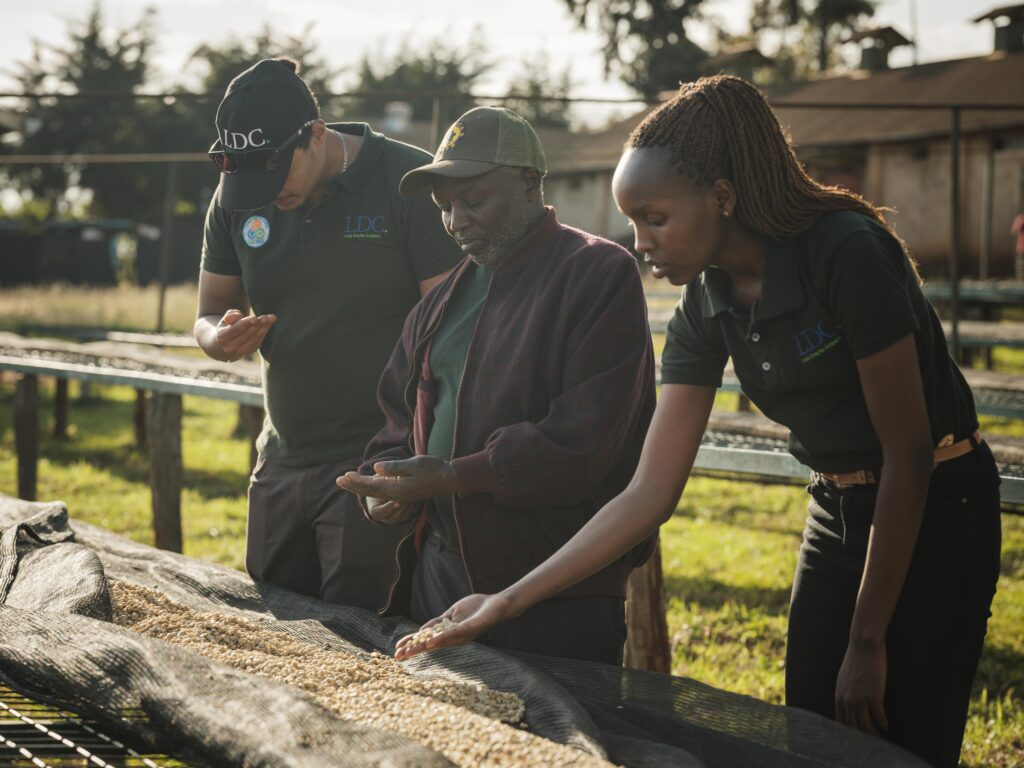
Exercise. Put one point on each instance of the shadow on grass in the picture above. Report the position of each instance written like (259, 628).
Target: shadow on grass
(712, 593)
(132, 465)
(1001, 670)
(1012, 563)
(99, 439)
(745, 517)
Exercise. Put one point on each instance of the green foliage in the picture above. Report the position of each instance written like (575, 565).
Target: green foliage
(220, 63)
(645, 41)
(810, 32)
(98, 61)
(537, 78)
(449, 68)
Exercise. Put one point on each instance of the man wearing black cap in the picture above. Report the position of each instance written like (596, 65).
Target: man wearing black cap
(517, 399)
(308, 229)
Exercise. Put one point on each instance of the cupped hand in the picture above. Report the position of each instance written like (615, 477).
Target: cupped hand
(405, 482)
(239, 335)
(389, 512)
(860, 688)
(473, 616)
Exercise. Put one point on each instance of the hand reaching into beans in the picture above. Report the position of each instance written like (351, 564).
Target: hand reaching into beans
(466, 620)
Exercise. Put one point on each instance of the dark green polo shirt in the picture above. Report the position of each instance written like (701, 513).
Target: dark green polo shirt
(841, 291)
(448, 352)
(341, 276)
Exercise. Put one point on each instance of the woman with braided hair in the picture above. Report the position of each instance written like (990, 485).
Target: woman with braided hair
(820, 308)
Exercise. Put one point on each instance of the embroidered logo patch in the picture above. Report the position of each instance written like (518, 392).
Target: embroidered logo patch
(455, 133)
(256, 231)
(364, 227)
(813, 342)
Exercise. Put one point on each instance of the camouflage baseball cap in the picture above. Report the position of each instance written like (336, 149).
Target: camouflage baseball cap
(478, 142)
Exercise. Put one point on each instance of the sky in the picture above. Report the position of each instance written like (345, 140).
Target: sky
(344, 30)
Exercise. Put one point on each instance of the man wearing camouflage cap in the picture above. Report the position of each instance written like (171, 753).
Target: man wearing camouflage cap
(517, 399)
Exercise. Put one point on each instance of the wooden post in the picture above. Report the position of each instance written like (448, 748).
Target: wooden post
(647, 645)
(60, 410)
(165, 241)
(26, 434)
(163, 413)
(437, 122)
(140, 418)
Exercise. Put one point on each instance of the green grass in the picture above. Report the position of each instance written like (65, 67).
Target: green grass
(104, 477)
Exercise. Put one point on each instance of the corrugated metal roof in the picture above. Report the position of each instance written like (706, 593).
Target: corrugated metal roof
(980, 80)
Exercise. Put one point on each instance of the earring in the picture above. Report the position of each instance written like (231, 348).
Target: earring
(725, 213)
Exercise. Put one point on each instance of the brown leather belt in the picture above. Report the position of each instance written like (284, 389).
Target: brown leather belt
(946, 449)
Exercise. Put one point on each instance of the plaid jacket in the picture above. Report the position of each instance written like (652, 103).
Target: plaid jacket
(557, 395)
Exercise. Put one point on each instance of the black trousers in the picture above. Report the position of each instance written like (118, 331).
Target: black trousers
(586, 628)
(936, 634)
(306, 534)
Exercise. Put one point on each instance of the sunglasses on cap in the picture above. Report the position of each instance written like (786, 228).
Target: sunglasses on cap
(262, 158)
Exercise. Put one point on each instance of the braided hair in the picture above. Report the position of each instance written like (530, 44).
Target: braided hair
(722, 128)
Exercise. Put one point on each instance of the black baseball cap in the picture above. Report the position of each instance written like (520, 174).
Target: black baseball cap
(264, 107)
(483, 139)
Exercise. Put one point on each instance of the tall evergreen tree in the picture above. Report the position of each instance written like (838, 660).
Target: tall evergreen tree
(445, 67)
(93, 61)
(537, 78)
(810, 31)
(645, 41)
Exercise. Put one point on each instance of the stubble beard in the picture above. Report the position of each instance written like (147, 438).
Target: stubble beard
(505, 239)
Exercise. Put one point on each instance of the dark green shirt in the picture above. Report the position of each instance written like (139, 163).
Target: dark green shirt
(448, 352)
(341, 276)
(839, 292)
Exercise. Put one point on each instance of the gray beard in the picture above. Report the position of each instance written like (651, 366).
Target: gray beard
(514, 228)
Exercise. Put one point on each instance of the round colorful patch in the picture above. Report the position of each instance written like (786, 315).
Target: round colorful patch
(256, 231)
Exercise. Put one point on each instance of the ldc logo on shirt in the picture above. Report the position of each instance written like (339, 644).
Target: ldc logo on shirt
(815, 341)
(364, 228)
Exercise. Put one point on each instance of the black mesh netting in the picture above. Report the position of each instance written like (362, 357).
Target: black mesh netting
(56, 639)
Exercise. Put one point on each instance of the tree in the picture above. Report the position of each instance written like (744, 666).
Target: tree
(819, 25)
(653, 34)
(91, 62)
(447, 68)
(536, 79)
(220, 64)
